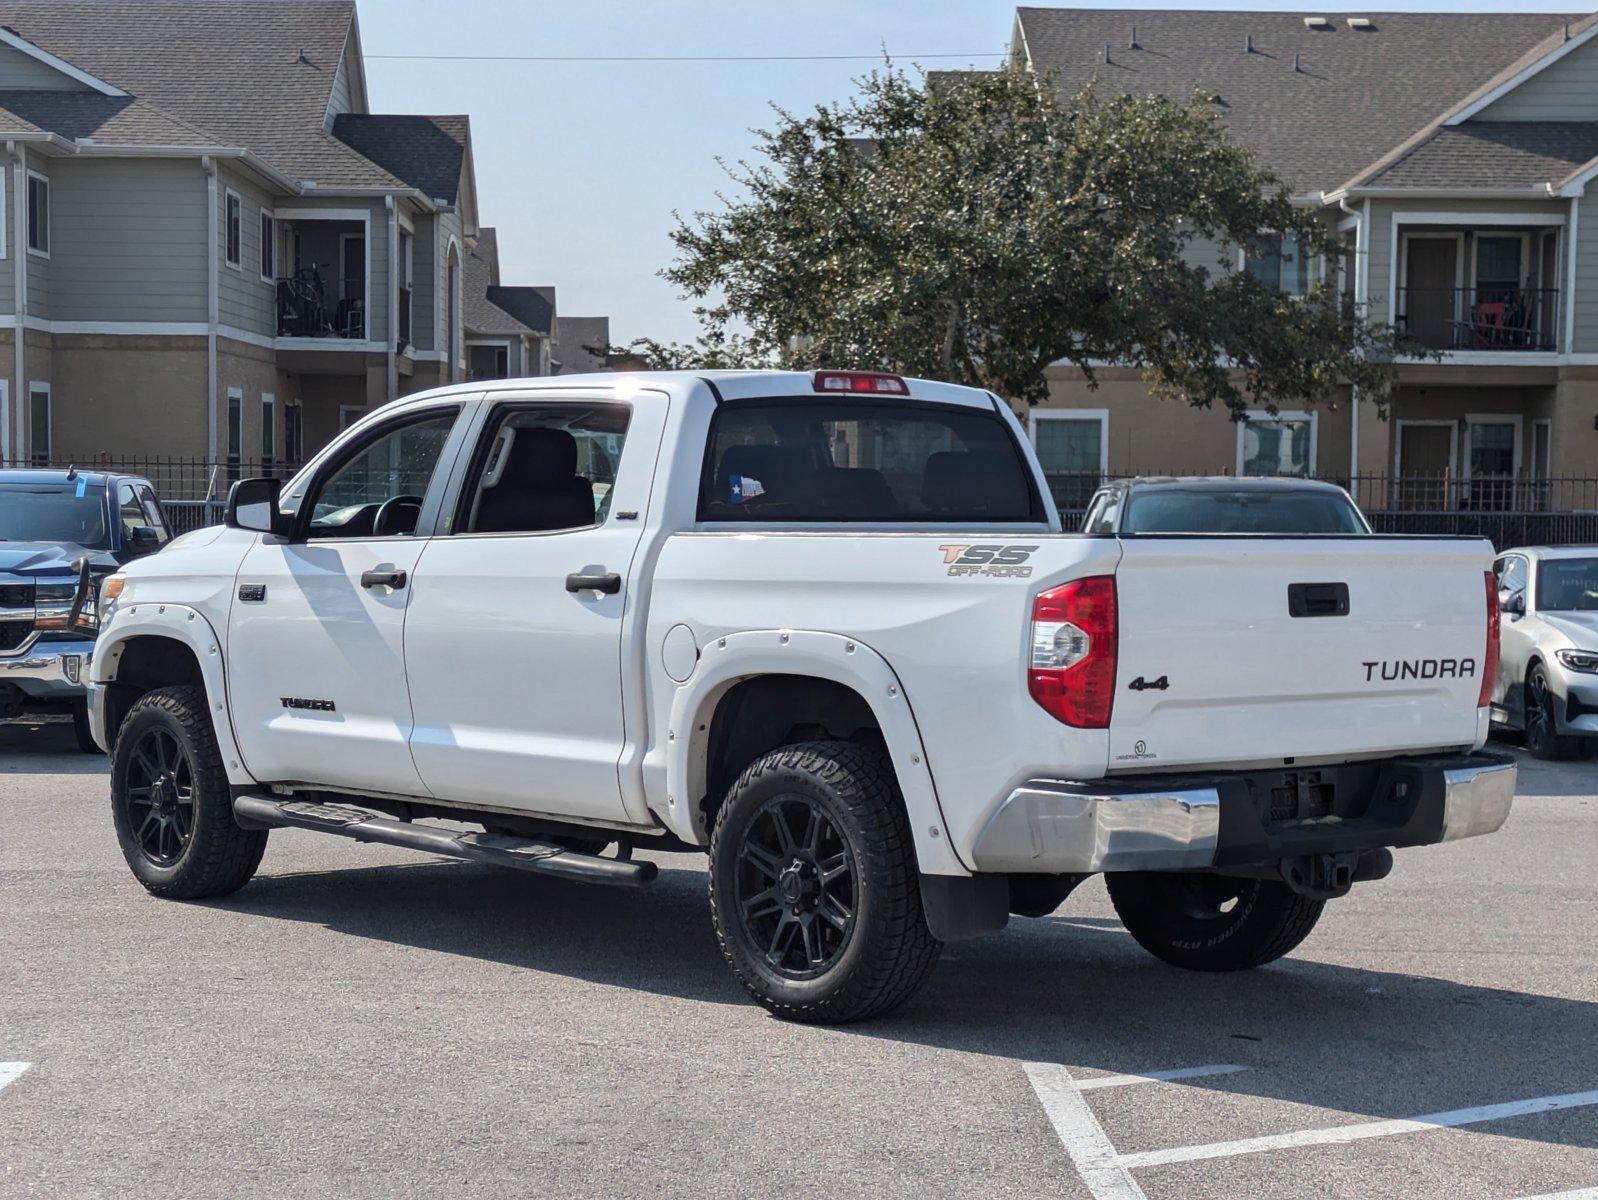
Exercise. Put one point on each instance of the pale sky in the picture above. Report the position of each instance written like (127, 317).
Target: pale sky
(580, 164)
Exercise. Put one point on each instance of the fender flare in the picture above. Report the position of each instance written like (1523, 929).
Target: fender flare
(178, 623)
(729, 660)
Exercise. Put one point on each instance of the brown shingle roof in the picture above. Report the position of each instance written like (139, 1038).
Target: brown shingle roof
(1491, 154)
(480, 276)
(426, 152)
(1357, 96)
(112, 120)
(255, 74)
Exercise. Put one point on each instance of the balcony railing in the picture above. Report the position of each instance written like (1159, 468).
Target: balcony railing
(1497, 318)
(308, 308)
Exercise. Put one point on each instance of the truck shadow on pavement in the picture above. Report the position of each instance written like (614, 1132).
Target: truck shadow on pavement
(46, 746)
(1072, 989)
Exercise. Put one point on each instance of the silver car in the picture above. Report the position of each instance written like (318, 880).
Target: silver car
(1548, 656)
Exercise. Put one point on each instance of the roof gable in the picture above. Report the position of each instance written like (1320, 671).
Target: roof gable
(1354, 97)
(1563, 86)
(24, 65)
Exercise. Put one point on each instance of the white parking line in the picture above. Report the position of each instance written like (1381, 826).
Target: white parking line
(1579, 1194)
(1353, 1133)
(1080, 1133)
(1167, 1076)
(10, 1072)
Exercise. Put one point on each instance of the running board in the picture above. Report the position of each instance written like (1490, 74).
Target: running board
(524, 854)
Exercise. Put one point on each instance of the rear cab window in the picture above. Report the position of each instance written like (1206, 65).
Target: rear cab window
(821, 461)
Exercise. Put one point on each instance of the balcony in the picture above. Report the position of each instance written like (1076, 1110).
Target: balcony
(1489, 289)
(324, 282)
(1491, 318)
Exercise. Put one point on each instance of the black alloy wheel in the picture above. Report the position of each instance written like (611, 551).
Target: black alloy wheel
(159, 796)
(796, 887)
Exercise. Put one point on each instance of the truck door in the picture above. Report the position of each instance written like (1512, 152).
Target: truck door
(317, 678)
(513, 643)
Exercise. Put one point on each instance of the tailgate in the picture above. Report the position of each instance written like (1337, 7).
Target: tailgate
(1274, 648)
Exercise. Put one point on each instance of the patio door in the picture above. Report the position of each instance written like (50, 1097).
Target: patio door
(1432, 269)
(1425, 461)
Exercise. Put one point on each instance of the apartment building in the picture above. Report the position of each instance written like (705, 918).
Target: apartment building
(212, 247)
(1453, 154)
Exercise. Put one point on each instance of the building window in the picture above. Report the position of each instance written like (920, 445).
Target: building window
(293, 434)
(488, 362)
(234, 230)
(235, 432)
(268, 247)
(1283, 263)
(407, 256)
(268, 433)
(38, 214)
(39, 421)
(1073, 448)
(1283, 444)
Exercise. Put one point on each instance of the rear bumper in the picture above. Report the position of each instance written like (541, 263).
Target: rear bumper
(1233, 819)
(49, 671)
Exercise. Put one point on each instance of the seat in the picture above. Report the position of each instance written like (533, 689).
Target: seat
(538, 487)
(975, 483)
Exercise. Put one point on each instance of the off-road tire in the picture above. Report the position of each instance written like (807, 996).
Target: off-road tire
(1267, 919)
(889, 950)
(220, 856)
(80, 728)
(1540, 739)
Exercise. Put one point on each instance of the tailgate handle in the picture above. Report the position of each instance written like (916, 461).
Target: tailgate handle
(1317, 599)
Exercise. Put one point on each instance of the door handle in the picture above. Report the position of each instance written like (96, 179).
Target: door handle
(609, 583)
(393, 579)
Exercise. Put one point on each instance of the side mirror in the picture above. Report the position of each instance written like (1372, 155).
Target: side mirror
(1513, 603)
(144, 539)
(252, 504)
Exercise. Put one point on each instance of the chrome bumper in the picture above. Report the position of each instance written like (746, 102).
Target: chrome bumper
(1060, 827)
(1476, 799)
(50, 670)
(1053, 827)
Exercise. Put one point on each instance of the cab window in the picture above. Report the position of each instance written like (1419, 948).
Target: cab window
(378, 488)
(1512, 574)
(545, 468)
(137, 515)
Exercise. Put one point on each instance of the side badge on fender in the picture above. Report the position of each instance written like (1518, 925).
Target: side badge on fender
(1142, 685)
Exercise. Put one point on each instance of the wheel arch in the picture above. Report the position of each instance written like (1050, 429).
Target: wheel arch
(155, 646)
(756, 690)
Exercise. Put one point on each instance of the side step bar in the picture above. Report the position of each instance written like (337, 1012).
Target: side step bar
(525, 854)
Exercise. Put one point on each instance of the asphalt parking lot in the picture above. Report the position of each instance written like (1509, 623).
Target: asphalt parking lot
(362, 1022)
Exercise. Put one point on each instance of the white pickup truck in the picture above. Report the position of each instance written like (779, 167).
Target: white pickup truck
(826, 627)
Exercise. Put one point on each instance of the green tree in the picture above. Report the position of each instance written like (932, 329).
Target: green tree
(979, 227)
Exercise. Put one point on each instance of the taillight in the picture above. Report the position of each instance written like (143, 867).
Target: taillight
(1073, 651)
(1489, 670)
(878, 383)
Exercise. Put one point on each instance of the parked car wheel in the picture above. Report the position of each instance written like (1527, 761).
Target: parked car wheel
(813, 885)
(1207, 922)
(171, 804)
(1542, 740)
(80, 728)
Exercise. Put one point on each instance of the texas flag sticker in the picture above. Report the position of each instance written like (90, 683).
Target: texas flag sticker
(745, 487)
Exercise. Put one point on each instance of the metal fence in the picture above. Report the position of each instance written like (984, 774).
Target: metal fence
(1509, 511)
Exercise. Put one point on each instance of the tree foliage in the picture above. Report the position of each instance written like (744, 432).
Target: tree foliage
(979, 227)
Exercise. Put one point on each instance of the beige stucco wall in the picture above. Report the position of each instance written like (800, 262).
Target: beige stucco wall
(1148, 435)
(125, 396)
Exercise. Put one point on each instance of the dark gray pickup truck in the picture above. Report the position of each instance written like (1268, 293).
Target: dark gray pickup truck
(1223, 504)
(51, 521)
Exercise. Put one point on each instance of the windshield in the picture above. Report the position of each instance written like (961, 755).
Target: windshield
(1568, 585)
(848, 460)
(73, 513)
(1240, 510)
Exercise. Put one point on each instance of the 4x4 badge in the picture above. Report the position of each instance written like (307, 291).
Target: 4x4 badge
(1141, 685)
